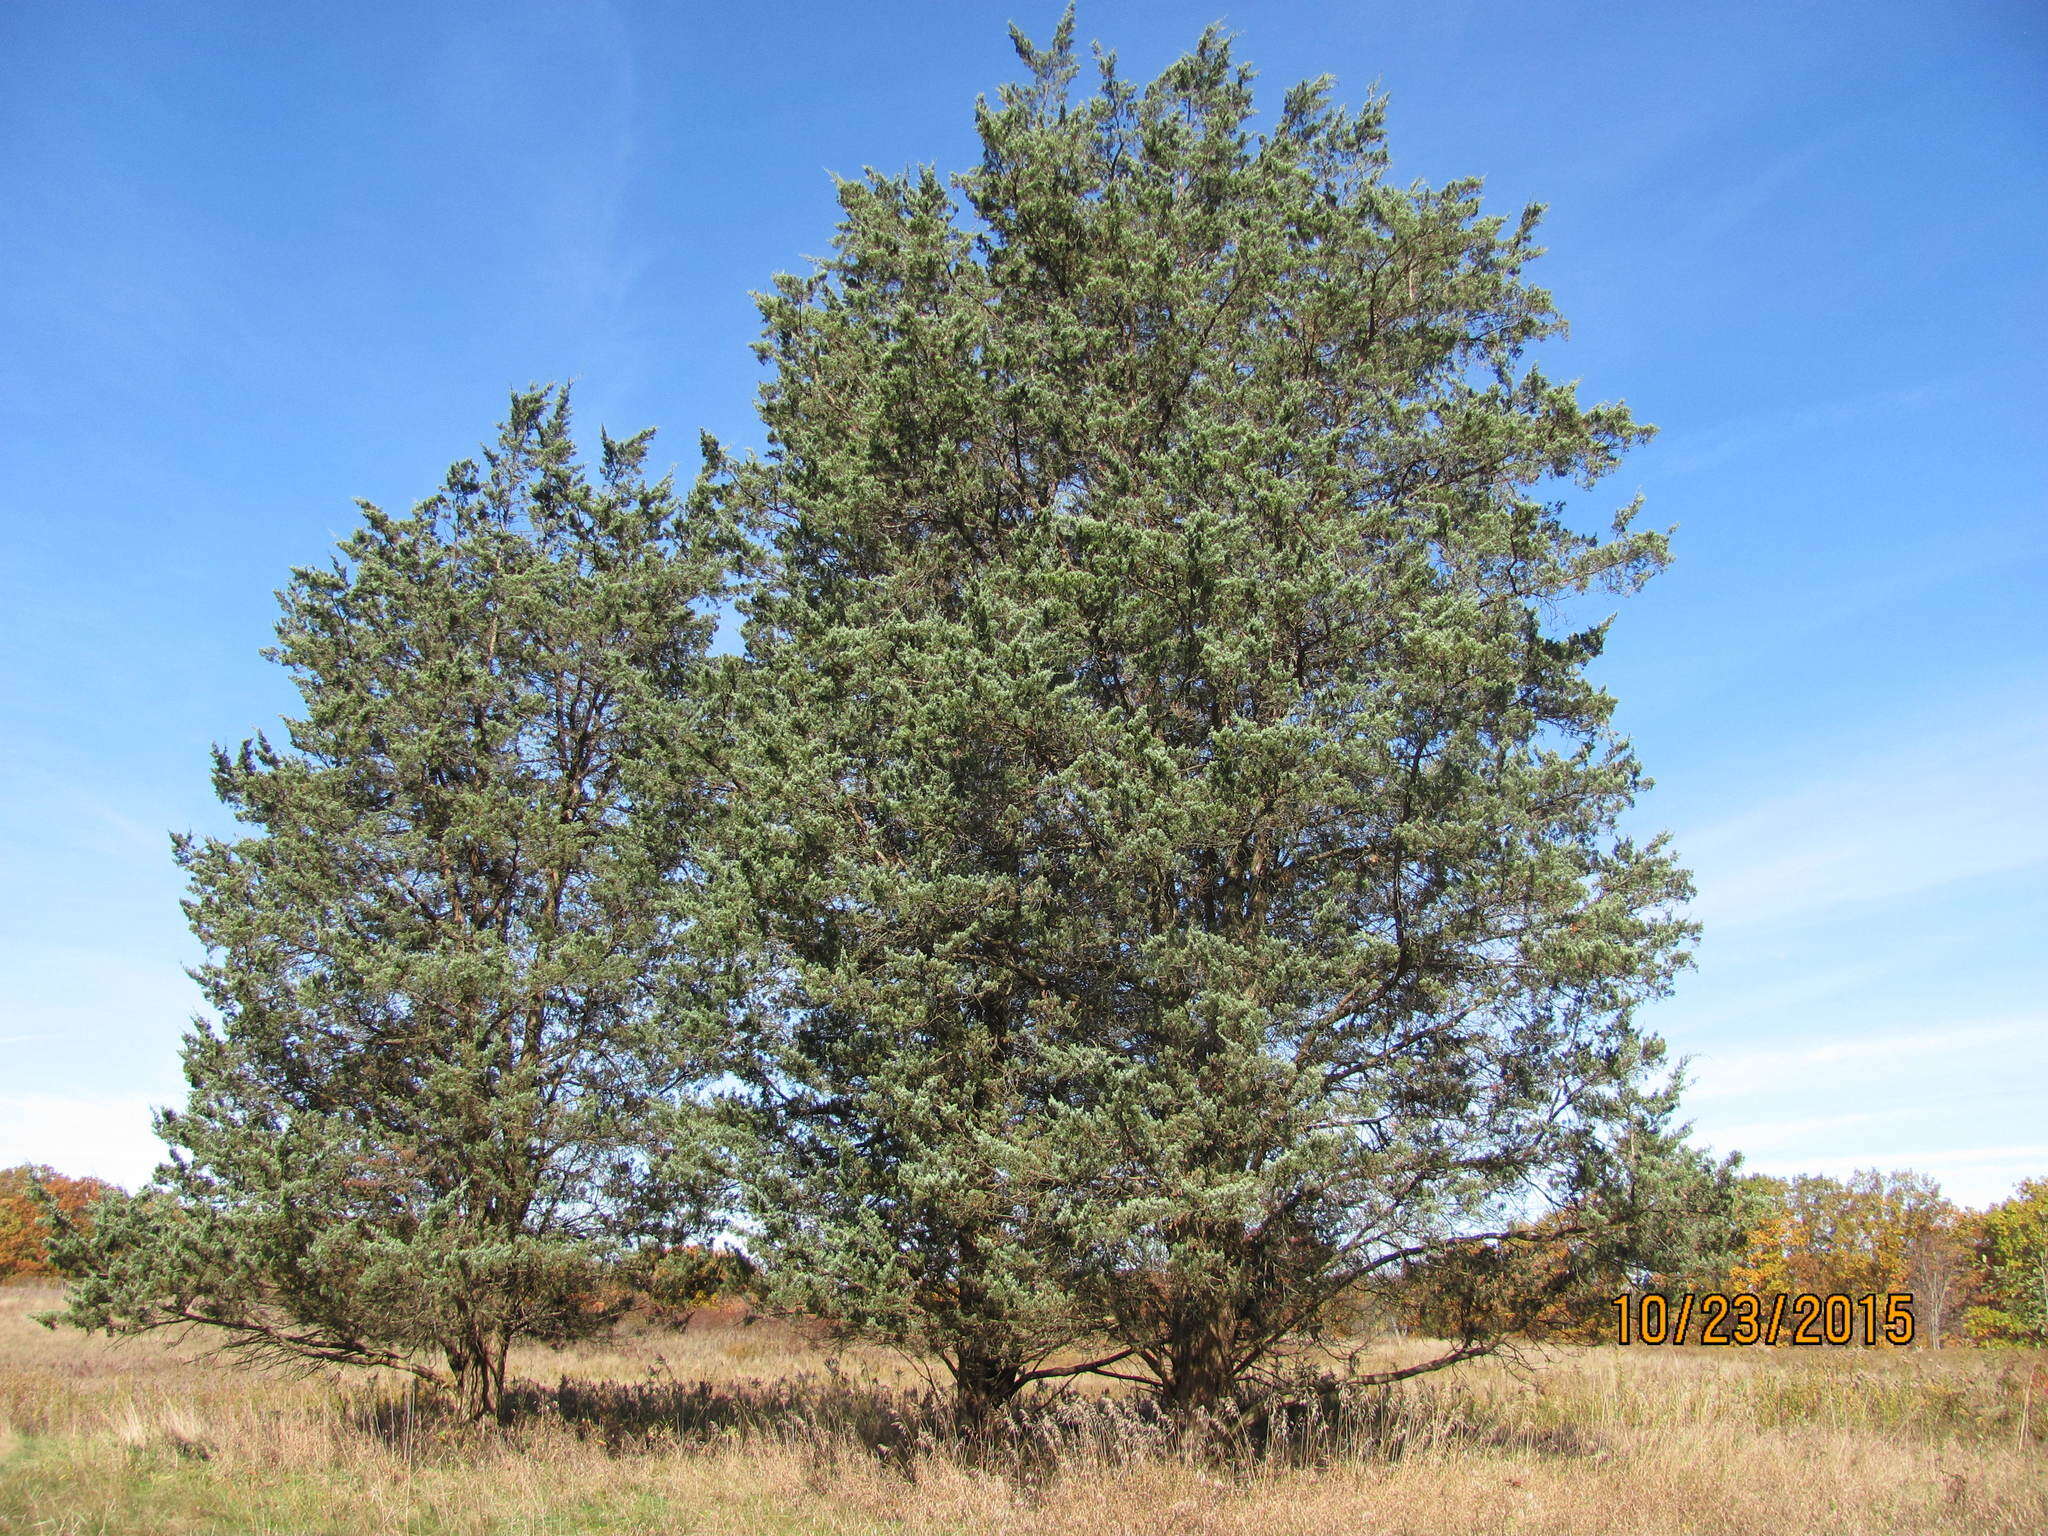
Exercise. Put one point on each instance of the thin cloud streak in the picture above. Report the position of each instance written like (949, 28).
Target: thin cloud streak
(1776, 1133)
(1744, 437)
(1749, 1072)
(1889, 826)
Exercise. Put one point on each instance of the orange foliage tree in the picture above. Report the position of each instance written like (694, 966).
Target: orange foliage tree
(1873, 1232)
(21, 1230)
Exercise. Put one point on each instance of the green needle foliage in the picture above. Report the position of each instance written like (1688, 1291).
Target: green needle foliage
(1178, 840)
(456, 1024)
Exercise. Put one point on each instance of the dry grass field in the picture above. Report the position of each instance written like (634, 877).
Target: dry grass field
(724, 1428)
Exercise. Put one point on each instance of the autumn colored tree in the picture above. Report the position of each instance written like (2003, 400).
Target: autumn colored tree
(2012, 1252)
(1873, 1232)
(1942, 1274)
(23, 1229)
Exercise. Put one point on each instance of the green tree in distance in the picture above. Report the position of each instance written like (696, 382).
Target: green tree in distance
(452, 1032)
(2012, 1248)
(1180, 842)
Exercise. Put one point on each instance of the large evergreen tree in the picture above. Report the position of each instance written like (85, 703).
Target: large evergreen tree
(1179, 840)
(454, 1016)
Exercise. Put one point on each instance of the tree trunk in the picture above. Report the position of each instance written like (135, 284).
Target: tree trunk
(1199, 1380)
(1199, 1315)
(985, 1378)
(983, 1385)
(478, 1367)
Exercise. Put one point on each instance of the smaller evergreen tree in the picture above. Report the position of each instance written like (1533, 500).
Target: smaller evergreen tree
(446, 1083)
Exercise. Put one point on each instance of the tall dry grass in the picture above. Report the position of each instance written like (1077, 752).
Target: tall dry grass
(755, 1429)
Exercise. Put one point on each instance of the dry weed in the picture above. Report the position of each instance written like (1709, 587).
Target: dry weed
(729, 1427)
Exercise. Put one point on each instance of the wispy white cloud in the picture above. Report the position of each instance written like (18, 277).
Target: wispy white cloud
(1763, 1135)
(75, 991)
(86, 820)
(576, 178)
(1842, 1060)
(1935, 810)
(1735, 1005)
(1744, 437)
(1904, 1098)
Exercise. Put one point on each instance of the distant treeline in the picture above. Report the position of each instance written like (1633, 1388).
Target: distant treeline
(1975, 1276)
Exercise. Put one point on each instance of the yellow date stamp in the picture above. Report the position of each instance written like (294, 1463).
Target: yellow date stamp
(1797, 1317)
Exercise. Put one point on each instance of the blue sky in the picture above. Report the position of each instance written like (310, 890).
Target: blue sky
(261, 260)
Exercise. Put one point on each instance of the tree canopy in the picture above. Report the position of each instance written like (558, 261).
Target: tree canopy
(1155, 872)
(1180, 841)
(2012, 1249)
(451, 1035)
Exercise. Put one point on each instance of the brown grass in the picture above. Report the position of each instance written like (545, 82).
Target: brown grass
(754, 1429)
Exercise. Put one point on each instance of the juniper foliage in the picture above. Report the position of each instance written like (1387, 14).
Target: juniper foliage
(1179, 836)
(456, 1027)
